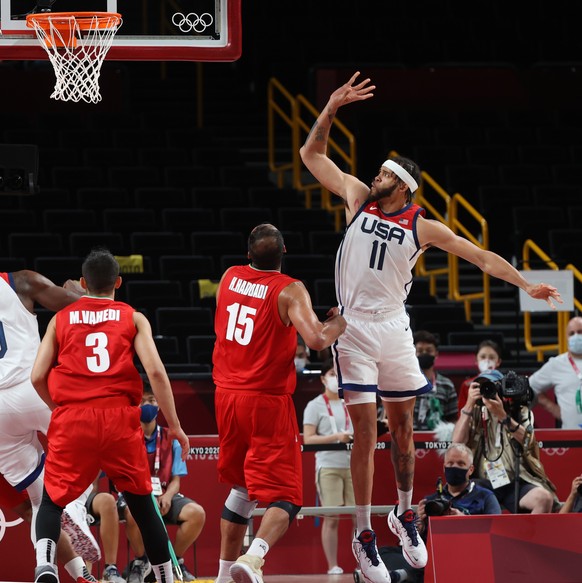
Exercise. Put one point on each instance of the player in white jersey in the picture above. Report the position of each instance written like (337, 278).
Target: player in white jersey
(385, 235)
(22, 411)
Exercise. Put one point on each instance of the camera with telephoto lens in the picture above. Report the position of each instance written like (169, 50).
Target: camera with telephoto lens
(511, 386)
(440, 505)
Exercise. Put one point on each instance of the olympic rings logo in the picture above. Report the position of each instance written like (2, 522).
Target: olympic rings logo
(558, 451)
(4, 524)
(191, 22)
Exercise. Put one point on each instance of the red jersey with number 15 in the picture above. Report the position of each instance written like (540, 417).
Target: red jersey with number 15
(95, 355)
(254, 350)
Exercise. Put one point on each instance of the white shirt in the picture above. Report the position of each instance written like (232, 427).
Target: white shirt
(19, 338)
(559, 374)
(316, 414)
(375, 259)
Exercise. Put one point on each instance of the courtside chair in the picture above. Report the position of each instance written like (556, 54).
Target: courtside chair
(102, 198)
(28, 245)
(244, 219)
(106, 157)
(188, 220)
(184, 321)
(157, 243)
(151, 294)
(66, 221)
(75, 177)
(126, 221)
(161, 197)
(160, 157)
(81, 243)
(199, 348)
(132, 177)
(184, 268)
(59, 269)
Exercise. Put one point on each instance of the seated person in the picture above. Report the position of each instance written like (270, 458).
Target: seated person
(440, 404)
(166, 467)
(574, 501)
(102, 510)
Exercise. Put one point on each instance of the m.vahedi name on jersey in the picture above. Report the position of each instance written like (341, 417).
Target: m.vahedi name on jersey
(91, 317)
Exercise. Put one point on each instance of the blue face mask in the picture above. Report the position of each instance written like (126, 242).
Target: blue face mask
(455, 476)
(148, 413)
(575, 343)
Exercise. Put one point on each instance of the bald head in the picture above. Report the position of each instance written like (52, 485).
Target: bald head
(266, 247)
(574, 326)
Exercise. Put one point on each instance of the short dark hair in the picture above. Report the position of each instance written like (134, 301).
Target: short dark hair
(147, 388)
(490, 344)
(412, 168)
(326, 366)
(100, 270)
(266, 247)
(425, 336)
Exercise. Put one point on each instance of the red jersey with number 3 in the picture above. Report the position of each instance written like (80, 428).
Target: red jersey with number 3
(95, 356)
(254, 350)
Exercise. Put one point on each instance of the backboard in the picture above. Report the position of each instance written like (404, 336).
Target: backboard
(167, 30)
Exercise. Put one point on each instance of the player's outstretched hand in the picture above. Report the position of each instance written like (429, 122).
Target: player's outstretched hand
(349, 92)
(543, 291)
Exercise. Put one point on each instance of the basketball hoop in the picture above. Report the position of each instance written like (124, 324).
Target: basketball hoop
(76, 44)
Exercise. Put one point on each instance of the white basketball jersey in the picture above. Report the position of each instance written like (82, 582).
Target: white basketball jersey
(19, 338)
(375, 259)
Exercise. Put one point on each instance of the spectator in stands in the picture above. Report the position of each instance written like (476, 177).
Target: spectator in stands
(302, 353)
(464, 495)
(305, 359)
(487, 358)
(574, 501)
(258, 315)
(563, 373)
(166, 467)
(500, 434)
(326, 420)
(440, 404)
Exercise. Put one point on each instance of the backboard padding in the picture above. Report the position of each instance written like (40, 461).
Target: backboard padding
(199, 38)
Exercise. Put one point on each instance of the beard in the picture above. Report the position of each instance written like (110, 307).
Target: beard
(377, 194)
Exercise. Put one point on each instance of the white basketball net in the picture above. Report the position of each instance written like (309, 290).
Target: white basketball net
(78, 57)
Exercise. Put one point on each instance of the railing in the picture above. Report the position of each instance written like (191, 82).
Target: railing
(482, 241)
(529, 248)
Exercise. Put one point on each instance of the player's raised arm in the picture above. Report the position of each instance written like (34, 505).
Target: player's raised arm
(314, 151)
(434, 233)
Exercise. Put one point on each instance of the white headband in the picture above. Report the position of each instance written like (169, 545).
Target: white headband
(402, 174)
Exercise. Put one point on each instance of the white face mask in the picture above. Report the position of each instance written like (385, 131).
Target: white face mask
(331, 384)
(575, 343)
(300, 364)
(486, 364)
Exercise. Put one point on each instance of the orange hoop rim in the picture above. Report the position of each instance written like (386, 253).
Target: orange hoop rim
(85, 20)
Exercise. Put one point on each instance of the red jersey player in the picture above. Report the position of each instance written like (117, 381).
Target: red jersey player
(258, 315)
(84, 371)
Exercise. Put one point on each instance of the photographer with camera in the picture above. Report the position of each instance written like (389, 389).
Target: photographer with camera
(497, 424)
(460, 495)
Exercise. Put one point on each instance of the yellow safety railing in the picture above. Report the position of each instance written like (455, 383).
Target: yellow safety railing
(530, 248)
(284, 107)
(430, 185)
(458, 202)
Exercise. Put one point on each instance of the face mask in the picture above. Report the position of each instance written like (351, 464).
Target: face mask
(425, 360)
(455, 476)
(148, 413)
(331, 384)
(300, 364)
(486, 364)
(575, 343)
